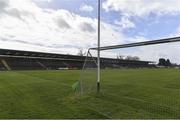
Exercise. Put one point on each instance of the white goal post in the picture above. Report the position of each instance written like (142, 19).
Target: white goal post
(137, 44)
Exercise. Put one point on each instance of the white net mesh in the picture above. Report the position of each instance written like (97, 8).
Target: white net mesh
(135, 85)
(145, 79)
(89, 73)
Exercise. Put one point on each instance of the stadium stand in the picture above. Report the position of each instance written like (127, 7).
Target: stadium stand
(26, 60)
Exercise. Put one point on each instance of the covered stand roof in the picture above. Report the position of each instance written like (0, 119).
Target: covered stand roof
(6, 53)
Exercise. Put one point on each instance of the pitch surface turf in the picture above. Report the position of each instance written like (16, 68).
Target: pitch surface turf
(141, 93)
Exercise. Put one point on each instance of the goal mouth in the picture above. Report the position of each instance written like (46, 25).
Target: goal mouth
(143, 75)
(90, 68)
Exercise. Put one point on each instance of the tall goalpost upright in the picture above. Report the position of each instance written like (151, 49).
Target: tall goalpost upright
(98, 52)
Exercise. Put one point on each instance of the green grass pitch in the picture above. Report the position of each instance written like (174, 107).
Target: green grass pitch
(133, 93)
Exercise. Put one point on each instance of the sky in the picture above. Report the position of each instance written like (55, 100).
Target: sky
(65, 26)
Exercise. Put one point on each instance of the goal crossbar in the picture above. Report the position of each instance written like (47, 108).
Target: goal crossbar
(152, 42)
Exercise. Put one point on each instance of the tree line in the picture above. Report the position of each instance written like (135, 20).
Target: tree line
(164, 62)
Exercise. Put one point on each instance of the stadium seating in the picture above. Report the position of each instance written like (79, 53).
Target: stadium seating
(40, 64)
(23, 64)
(24, 60)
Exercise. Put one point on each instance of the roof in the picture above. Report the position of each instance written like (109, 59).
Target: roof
(43, 55)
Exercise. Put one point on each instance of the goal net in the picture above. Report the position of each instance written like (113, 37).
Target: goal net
(88, 74)
(138, 81)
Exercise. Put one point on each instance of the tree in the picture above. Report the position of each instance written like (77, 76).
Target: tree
(162, 62)
(120, 57)
(128, 57)
(168, 63)
(136, 58)
(81, 53)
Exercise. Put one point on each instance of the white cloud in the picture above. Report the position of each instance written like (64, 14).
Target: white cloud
(175, 33)
(26, 26)
(86, 8)
(154, 52)
(42, 0)
(142, 8)
(125, 23)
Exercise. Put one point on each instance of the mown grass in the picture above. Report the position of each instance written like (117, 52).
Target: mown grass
(128, 93)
